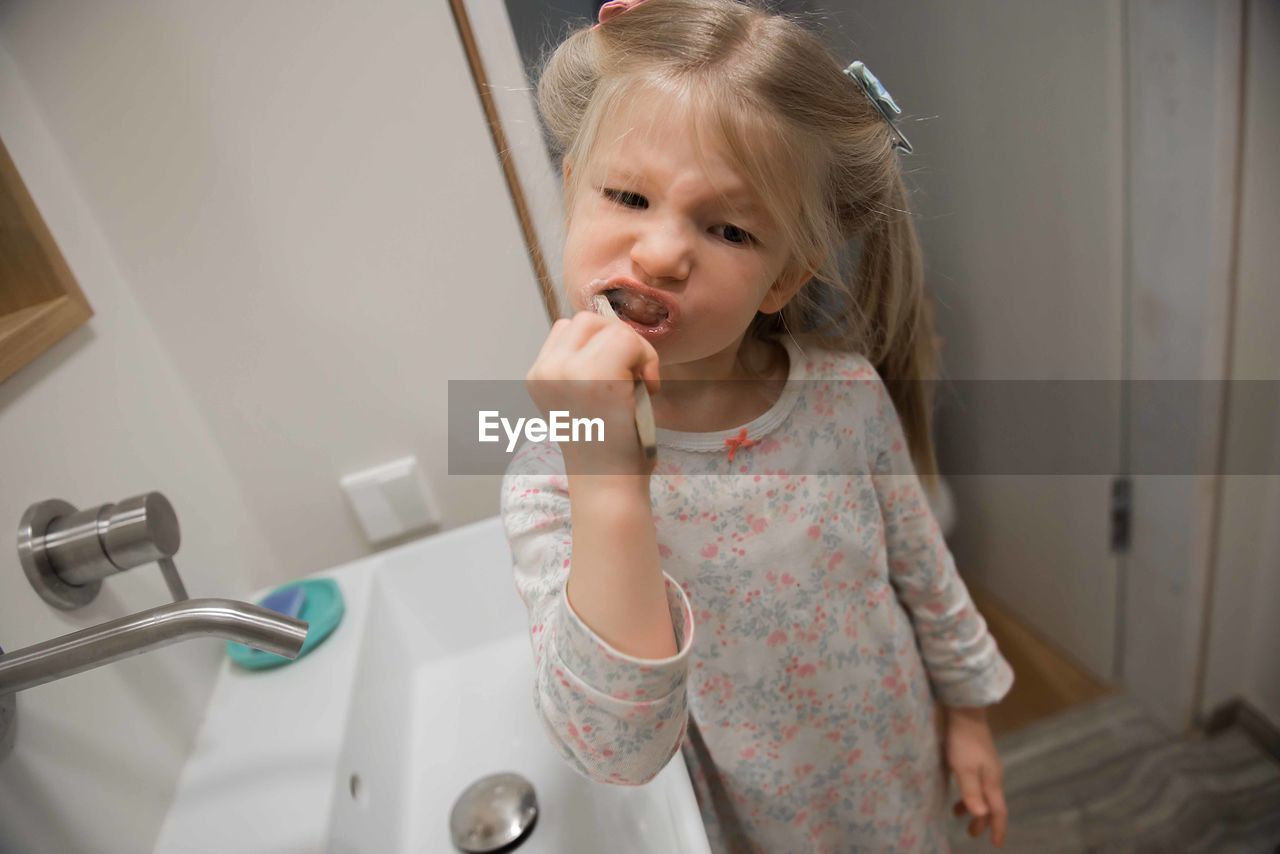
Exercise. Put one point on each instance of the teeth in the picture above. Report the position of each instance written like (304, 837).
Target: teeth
(641, 309)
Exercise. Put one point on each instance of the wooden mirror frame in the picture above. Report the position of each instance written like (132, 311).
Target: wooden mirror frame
(509, 109)
(40, 301)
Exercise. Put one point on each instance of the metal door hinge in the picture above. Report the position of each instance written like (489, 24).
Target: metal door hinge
(1121, 513)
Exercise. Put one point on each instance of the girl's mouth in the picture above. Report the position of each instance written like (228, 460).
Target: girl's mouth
(636, 307)
(647, 311)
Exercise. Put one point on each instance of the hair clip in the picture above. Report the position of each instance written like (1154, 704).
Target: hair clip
(881, 98)
(614, 8)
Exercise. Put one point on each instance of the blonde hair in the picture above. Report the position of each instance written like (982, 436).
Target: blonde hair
(806, 137)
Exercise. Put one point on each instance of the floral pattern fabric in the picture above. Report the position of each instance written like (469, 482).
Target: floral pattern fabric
(818, 617)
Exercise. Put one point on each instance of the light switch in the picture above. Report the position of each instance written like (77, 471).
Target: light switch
(392, 499)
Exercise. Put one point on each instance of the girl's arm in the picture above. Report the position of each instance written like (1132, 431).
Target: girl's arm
(964, 665)
(616, 584)
(965, 668)
(611, 649)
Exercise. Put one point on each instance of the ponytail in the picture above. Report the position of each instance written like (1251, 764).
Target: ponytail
(897, 327)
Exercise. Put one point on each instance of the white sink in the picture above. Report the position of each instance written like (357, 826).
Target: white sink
(364, 744)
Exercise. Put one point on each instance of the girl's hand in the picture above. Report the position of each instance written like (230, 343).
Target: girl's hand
(587, 367)
(971, 756)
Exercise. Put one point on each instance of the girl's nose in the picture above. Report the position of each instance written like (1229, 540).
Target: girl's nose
(663, 251)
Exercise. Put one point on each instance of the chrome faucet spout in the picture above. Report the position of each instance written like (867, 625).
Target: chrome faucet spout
(146, 630)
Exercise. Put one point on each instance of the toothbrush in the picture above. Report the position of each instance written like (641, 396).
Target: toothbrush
(644, 406)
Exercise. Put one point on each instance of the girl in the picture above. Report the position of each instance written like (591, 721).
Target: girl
(789, 624)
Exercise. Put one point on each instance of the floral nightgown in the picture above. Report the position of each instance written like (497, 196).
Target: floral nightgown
(818, 616)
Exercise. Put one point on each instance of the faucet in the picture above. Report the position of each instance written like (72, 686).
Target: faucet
(67, 552)
(147, 630)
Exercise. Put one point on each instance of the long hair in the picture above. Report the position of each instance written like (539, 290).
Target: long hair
(818, 152)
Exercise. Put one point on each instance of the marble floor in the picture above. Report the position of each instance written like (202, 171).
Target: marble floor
(1105, 777)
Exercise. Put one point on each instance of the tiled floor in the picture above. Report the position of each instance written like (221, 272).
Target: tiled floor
(1087, 770)
(1104, 777)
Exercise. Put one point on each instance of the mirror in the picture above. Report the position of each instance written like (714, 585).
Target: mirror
(1076, 409)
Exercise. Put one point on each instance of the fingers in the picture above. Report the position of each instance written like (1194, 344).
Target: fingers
(597, 338)
(988, 808)
(977, 825)
(650, 369)
(972, 801)
(993, 789)
(553, 338)
(581, 328)
(608, 340)
(618, 349)
(648, 365)
(971, 793)
(567, 335)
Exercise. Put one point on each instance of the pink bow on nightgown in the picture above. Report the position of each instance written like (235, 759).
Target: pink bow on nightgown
(739, 441)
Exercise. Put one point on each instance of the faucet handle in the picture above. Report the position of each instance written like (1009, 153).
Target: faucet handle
(67, 552)
(139, 530)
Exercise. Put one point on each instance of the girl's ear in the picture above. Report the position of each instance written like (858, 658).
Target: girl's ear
(786, 287)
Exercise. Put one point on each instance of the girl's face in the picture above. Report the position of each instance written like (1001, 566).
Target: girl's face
(687, 270)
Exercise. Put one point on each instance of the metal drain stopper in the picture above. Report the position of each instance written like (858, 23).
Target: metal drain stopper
(493, 812)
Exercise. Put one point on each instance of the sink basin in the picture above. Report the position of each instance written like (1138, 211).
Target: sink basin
(365, 744)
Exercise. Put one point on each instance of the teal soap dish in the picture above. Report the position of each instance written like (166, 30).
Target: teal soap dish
(322, 608)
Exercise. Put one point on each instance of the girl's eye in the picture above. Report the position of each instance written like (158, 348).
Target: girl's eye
(733, 234)
(629, 200)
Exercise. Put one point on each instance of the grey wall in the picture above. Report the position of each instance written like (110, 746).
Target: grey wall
(1016, 114)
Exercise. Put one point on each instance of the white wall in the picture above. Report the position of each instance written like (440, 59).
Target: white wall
(293, 229)
(100, 417)
(306, 201)
(1245, 620)
(1184, 83)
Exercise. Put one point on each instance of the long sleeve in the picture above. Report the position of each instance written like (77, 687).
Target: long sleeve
(964, 665)
(614, 717)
